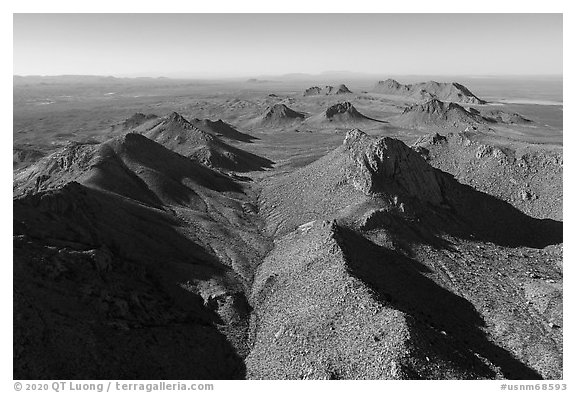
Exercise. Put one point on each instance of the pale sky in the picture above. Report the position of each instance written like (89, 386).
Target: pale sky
(237, 45)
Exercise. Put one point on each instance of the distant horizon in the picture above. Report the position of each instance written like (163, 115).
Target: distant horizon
(257, 77)
(253, 45)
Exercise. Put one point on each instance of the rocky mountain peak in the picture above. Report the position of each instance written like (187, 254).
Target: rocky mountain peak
(387, 165)
(342, 108)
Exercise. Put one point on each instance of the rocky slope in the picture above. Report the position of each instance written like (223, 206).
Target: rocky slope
(342, 328)
(529, 179)
(87, 283)
(408, 244)
(454, 92)
(24, 155)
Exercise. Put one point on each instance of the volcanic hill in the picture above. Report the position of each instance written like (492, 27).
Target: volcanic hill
(437, 114)
(179, 135)
(327, 90)
(453, 91)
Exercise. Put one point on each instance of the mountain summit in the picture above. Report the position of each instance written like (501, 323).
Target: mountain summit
(181, 136)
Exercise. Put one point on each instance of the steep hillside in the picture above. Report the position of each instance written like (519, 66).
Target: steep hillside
(529, 179)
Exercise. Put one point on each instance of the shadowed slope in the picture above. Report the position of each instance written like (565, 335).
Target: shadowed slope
(315, 320)
(94, 272)
(143, 171)
(179, 135)
(190, 228)
(375, 316)
(527, 178)
(399, 282)
(131, 165)
(200, 143)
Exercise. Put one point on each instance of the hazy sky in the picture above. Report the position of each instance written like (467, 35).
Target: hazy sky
(256, 44)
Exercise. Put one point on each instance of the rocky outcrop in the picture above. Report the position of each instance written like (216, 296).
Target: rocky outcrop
(348, 328)
(362, 168)
(387, 165)
(119, 273)
(24, 155)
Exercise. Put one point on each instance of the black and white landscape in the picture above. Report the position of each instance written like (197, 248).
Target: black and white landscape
(273, 225)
